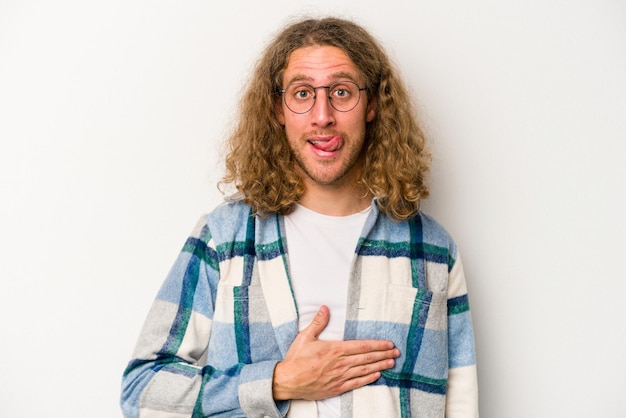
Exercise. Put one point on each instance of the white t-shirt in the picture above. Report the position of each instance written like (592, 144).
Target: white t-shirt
(321, 250)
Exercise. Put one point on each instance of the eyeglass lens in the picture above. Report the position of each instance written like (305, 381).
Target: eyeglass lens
(343, 96)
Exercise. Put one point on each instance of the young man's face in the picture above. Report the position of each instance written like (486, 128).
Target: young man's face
(326, 143)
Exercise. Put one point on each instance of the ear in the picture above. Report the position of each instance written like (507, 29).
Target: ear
(372, 106)
(279, 112)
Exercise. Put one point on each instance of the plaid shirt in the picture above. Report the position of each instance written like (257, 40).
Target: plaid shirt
(226, 315)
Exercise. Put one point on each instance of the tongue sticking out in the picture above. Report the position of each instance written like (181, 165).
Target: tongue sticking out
(327, 144)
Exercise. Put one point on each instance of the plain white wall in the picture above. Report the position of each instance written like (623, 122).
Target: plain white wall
(111, 120)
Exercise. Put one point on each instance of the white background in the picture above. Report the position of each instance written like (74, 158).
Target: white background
(112, 115)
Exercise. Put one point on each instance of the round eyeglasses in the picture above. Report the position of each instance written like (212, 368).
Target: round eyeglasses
(342, 95)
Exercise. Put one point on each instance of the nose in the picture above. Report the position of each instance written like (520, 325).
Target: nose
(322, 113)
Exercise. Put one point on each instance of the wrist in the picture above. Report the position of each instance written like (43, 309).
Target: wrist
(279, 391)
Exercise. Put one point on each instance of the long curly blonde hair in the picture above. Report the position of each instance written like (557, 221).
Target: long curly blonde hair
(260, 163)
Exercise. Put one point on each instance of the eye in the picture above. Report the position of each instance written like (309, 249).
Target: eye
(341, 91)
(302, 92)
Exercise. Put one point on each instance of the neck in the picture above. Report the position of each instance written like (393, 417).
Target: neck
(335, 201)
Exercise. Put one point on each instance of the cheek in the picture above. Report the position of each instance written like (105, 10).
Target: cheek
(294, 126)
(291, 133)
(359, 125)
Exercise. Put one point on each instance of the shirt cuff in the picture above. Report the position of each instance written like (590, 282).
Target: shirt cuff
(255, 391)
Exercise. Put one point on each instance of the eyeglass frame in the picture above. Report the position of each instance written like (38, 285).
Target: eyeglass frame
(330, 99)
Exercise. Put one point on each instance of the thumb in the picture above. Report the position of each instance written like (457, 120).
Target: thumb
(319, 323)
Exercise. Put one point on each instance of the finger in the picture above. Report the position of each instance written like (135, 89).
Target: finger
(319, 323)
(368, 369)
(374, 357)
(354, 347)
(357, 382)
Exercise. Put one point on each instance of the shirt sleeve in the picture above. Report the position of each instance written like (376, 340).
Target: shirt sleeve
(462, 387)
(168, 375)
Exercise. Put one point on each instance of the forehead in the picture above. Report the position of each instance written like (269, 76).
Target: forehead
(319, 63)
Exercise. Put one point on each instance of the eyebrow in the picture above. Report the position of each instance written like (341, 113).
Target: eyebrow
(334, 76)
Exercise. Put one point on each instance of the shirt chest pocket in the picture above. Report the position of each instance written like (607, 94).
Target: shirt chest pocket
(416, 321)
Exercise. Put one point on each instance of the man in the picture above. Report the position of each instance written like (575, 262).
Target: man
(320, 289)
